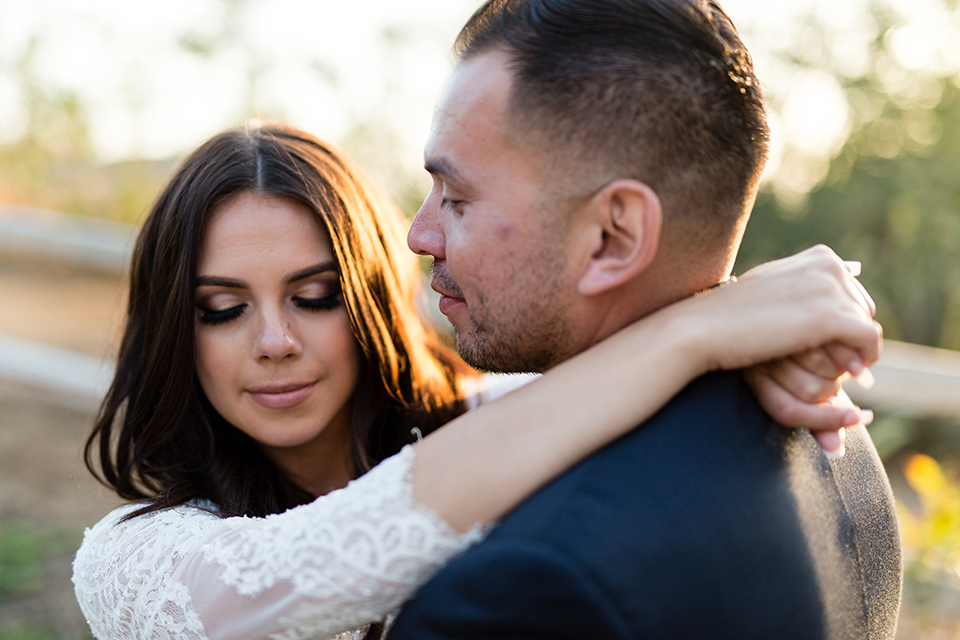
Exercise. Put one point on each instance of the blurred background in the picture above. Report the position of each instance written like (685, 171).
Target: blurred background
(99, 100)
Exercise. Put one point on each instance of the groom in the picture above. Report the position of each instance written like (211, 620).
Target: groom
(593, 161)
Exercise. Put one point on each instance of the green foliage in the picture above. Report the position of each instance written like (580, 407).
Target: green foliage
(20, 559)
(51, 164)
(892, 433)
(931, 536)
(891, 199)
(23, 552)
(898, 215)
(26, 553)
(27, 633)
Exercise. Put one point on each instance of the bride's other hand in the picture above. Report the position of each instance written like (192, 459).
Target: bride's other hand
(795, 389)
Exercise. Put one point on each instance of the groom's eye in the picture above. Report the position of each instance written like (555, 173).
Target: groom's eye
(456, 205)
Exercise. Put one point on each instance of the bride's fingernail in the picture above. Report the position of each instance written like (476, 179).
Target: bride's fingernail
(829, 441)
(855, 367)
(853, 266)
(865, 379)
(837, 444)
(835, 455)
(851, 417)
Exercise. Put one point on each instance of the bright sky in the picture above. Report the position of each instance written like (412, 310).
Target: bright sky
(329, 66)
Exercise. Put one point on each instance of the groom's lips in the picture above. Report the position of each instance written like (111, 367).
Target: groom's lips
(448, 301)
(448, 305)
(451, 296)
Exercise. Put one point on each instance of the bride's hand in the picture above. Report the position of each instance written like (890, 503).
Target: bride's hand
(804, 391)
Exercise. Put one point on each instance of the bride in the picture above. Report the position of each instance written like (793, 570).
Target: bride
(273, 372)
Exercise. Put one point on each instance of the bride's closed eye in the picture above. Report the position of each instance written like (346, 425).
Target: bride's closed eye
(319, 293)
(323, 303)
(214, 317)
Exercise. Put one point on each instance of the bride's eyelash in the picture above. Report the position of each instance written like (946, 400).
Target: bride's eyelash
(319, 304)
(210, 317)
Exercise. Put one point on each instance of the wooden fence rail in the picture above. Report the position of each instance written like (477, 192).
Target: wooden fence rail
(98, 245)
(915, 381)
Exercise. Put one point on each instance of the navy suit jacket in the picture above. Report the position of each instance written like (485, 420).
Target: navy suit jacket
(709, 521)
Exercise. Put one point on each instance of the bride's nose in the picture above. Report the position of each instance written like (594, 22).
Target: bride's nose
(277, 338)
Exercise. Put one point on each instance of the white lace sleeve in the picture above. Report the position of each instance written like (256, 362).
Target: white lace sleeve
(344, 560)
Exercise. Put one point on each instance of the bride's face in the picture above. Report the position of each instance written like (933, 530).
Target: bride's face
(276, 355)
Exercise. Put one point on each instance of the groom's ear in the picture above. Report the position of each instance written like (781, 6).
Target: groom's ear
(625, 218)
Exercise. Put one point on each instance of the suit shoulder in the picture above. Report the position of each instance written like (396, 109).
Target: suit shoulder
(507, 579)
(710, 426)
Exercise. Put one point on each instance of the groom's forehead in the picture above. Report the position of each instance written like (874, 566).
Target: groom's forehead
(471, 137)
(476, 93)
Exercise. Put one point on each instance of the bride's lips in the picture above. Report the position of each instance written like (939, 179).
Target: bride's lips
(281, 396)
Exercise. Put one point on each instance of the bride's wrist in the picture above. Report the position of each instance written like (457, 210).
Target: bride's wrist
(685, 333)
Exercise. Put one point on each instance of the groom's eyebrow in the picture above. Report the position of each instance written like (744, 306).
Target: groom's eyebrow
(444, 168)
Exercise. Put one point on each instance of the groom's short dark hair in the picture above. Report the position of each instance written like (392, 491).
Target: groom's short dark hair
(658, 90)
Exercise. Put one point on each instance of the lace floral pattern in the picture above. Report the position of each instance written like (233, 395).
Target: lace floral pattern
(316, 571)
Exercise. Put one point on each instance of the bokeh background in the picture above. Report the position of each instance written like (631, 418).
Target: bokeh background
(100, 99)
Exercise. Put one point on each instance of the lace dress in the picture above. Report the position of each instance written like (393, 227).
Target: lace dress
(348, 558)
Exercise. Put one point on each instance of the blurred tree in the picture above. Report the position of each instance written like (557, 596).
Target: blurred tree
(52, 164)
(891, 198)
(49, 161)
(899, 215)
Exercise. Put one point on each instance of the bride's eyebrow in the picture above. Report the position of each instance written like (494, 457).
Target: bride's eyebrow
(216, 281)
(323, 267)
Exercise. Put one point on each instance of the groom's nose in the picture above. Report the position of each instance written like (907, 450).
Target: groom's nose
(426, 236)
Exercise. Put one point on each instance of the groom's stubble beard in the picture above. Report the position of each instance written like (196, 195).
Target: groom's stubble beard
(523, 329)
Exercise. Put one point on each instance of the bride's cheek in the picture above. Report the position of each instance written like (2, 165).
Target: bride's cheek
(216, 363)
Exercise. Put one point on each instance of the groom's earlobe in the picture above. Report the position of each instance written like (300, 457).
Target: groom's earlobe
(629, 216)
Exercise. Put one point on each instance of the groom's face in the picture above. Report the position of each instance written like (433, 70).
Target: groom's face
(500, 246)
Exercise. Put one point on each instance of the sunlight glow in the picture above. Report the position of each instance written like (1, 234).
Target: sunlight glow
(154, 80)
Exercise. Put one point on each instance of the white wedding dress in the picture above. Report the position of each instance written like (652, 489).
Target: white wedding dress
(317, 571)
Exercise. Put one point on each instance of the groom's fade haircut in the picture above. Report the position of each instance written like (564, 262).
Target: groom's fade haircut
(662, 91)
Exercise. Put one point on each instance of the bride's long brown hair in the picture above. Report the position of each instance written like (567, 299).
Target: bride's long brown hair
(156, 438)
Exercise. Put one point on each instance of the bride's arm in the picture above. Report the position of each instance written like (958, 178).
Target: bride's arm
(485, 462)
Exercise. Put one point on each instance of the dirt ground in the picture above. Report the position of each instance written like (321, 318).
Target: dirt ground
(44, 488)
(42, 478)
